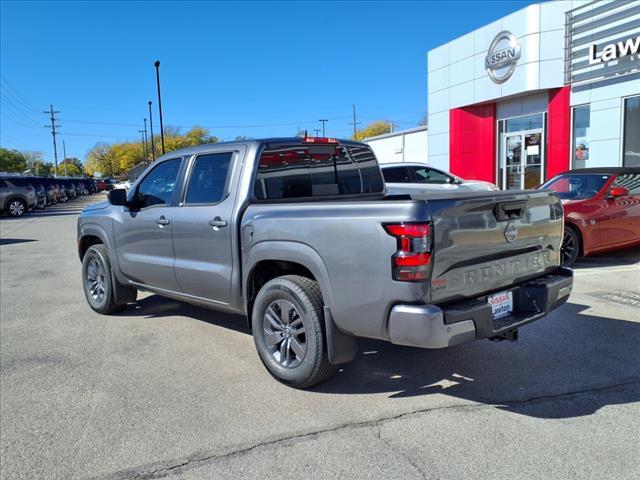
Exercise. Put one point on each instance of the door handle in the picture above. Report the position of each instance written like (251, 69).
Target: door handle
(217, 222)
(162, 221)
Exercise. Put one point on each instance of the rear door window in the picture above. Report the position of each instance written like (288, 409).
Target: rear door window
(397, 175)
(320, 170)
(208, 178)
(429, 175)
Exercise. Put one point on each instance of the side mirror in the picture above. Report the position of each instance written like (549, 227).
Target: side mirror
(118, 197)
(618, 192)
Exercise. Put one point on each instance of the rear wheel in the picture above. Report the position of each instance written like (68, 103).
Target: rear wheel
(288, 330)
(570, 246)
(16, 207)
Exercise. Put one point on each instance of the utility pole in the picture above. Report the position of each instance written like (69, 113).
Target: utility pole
(323, 120)
(53, 127)
(64, 153)
(157, 65)
(153, 147)
(146, 144)
(317, 130)
(354, 123)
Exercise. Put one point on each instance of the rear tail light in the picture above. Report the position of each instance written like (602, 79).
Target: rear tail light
(411, 262)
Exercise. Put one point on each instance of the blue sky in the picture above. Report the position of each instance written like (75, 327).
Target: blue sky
(239, 68)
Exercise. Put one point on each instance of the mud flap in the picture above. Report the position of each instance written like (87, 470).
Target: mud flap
(341, 348)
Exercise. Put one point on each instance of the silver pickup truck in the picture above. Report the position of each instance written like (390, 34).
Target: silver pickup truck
(298, 235)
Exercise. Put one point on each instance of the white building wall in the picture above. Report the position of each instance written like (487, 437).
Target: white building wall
(457, 76)
(402, 146)
(606, 100)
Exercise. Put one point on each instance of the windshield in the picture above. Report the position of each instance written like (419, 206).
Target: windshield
(576, 186)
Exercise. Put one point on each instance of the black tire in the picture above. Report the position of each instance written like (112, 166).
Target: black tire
(571, 246)
(304, 295)
(104, 303)
(16, 207)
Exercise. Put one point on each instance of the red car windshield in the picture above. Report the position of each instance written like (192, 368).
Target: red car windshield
(576, 186)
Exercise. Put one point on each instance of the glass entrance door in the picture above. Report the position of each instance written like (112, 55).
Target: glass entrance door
(522, 153)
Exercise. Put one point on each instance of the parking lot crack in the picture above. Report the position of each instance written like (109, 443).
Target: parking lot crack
(391, 447)
(165, 469)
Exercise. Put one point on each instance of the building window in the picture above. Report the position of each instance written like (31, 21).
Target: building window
(581, 121)
(631, 141)
(528, 122)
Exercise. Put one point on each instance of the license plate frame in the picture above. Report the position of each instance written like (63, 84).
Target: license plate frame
(501, 304)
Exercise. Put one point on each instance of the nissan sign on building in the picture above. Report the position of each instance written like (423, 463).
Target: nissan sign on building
(553, 86)
(502, 57)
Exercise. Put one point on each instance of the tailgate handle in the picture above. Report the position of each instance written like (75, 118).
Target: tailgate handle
(509, 211)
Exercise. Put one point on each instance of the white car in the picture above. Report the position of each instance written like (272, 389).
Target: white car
(123, 184)
(411, 177)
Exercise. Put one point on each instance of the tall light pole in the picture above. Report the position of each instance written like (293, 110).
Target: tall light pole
(153, 147)
(323, 120)
(317, 130)
(157, 65)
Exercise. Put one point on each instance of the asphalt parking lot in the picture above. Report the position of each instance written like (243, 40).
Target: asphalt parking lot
(164, 389)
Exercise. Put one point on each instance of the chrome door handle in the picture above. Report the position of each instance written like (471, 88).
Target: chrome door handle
(162, 221)
(217, 222)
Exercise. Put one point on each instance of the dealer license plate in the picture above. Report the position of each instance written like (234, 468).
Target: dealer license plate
(501, 304)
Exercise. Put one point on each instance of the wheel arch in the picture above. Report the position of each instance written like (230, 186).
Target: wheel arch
(267, 260)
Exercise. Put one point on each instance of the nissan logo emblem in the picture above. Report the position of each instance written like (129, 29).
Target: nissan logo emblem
(511, 232)
(502, 57)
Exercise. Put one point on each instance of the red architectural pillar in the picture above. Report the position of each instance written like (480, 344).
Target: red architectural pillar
(558, 131)
(472, 142)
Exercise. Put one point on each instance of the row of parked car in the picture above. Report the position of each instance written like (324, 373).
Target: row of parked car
(20, 194)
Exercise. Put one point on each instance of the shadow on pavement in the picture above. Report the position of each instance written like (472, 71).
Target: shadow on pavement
(614, 258)
(11, 241)
(561, 351)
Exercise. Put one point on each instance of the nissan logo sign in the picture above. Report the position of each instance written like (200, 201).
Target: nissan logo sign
(502, 57)
(510, 233)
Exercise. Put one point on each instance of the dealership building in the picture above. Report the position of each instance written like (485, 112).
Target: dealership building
(550, 87)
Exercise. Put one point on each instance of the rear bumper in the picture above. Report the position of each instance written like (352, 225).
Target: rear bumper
(429, 326)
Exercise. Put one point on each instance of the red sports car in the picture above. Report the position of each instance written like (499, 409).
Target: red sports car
(601, 209)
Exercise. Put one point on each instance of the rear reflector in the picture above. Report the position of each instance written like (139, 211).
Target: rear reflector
(410, 262)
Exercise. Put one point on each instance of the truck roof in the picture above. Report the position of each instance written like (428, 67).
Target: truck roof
(290, 140)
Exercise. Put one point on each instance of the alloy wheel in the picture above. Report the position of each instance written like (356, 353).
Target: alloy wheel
(569, 247)
(96, 281)
(284, 333)
(16, 208)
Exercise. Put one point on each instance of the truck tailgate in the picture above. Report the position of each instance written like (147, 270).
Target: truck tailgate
(487, 241)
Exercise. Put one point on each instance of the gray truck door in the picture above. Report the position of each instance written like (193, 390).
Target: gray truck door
(202, 227)
(143, 235)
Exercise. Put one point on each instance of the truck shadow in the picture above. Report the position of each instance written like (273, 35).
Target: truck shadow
(567, 352)
(615, 258)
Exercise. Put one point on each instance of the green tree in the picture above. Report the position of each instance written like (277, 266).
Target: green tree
(36, 163)
(379, 127)
(12, 161)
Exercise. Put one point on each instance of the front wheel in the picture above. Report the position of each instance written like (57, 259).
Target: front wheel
(570, 246)
(97, 281)
(288, 331)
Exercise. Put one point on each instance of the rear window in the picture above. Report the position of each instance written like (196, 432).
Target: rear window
(397, 175)
(310, 171)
